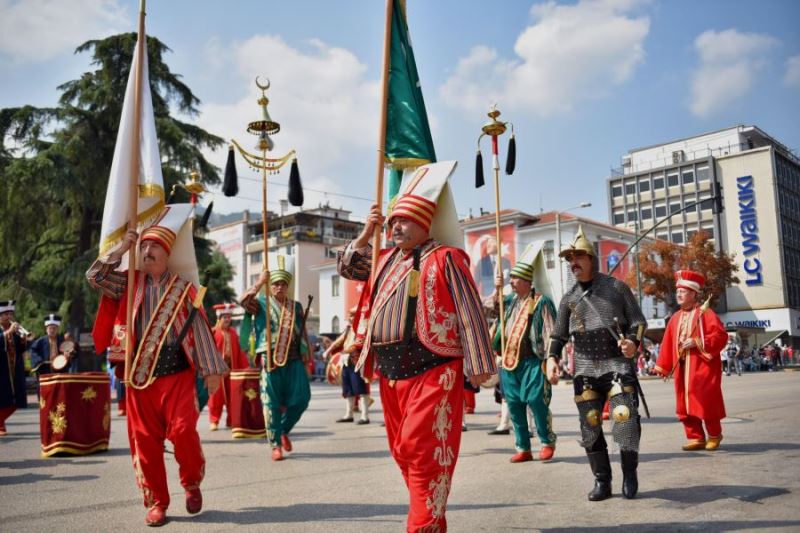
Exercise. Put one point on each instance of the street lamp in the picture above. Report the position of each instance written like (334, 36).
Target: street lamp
(558, 244)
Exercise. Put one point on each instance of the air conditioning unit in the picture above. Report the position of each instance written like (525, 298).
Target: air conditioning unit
(677, 156)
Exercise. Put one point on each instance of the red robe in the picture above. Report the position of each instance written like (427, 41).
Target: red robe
(698, 378)
(231, 351)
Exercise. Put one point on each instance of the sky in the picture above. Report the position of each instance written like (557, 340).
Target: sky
(583, 82)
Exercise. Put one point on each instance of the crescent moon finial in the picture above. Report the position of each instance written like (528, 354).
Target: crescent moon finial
(262, 87)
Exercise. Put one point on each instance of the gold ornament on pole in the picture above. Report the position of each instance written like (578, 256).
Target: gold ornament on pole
(495, 128)
(264, 129)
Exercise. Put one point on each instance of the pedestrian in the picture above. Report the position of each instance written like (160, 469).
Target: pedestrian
(285, 390)
(606, 324)
(161, 397)
(354, 387)
(421, 324)
(691, 350)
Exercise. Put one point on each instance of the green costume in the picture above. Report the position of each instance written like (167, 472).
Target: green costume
(523, 375)
(285, 391)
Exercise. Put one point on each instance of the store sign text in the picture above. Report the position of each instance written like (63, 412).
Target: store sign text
(748, 226)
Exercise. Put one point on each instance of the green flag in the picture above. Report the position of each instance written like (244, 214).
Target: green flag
(408, 135)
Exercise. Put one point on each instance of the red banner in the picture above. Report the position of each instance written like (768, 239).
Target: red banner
(482, 250)
(247, 414)
(75, 413)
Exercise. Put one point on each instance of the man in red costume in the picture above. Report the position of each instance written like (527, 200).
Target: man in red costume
(161, 396)
(227, 341)
(691, 352)
(420, 323)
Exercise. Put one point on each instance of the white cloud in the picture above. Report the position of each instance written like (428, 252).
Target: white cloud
(728, 63)
(327, 108)
(571, 53)
(792, 76)
(37, 30)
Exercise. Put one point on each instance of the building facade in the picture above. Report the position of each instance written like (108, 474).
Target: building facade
(310, 236)
(759, 182)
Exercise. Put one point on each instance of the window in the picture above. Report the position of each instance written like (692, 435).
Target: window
(632, 216)
(630, 188)
(549, 255)
(335, 285)
(702, 173)
(672, 179)
(254, 279)
(330, 253)
(705, 202)
(674, 206)
(658, 182)
(647, 213)
(616, 190)
(290, 249)
(688, 176)
(256, 257)
(677, 238)
(661, 210)
(619, 218)
(689, 234)
(335, 324)
(644, 185)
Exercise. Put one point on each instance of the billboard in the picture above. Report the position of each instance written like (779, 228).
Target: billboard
(610, 254)
(482, 251)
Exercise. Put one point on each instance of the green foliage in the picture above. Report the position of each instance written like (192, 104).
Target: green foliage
(54, 168)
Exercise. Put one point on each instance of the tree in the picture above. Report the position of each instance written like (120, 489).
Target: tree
(658, 261)
(54, 168)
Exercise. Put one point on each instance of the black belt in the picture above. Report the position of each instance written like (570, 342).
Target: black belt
(403, 361)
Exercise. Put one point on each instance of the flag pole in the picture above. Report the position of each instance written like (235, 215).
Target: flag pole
(387, 41)
(133, 197)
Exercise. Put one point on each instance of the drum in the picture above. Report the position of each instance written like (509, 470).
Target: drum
(247, 413)
(59, 362)
(74, 413)
(333, 370)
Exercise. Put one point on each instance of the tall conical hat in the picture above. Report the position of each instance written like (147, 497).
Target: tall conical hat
(530, 266)
(281, 268)
(580, 245)
(426, 198)
(174, 232)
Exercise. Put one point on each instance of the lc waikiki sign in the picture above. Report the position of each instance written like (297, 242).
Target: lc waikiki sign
(748, 227)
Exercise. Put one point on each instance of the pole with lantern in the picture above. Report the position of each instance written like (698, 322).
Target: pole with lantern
(494, 129)
(264, 129)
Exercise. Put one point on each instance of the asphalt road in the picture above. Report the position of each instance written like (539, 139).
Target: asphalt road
(341, 477)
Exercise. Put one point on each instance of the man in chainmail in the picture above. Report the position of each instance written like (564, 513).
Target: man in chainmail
(605, 324)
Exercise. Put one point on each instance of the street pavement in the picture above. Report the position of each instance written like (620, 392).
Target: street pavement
(341, 478)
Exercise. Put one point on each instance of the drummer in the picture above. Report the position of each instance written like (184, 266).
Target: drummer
(50, 353)
(353, 385)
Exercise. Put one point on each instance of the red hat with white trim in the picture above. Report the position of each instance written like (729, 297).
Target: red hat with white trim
(224, 309)
(689, 279)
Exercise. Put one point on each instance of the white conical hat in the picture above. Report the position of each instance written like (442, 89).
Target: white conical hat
(172, 230)
(533, 256)
(427, 199)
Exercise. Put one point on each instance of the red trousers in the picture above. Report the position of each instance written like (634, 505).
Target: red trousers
(423, 418)
(166, 409)
(218, 400)
(469, 400)
(694, 427)
(5, 412)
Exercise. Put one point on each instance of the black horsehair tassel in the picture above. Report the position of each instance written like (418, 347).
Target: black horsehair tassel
(230, 187)
(295, 187)
(204, 221)
(511, 159)
(479, 181)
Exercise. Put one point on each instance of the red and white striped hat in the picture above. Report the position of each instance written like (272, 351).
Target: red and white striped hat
(689, 279)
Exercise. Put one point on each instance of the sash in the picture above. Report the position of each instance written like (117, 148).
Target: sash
(519, 327)
(280, 354)
(395, 276)
(156, 332)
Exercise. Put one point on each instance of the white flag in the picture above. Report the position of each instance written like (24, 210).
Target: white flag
(151, 182)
